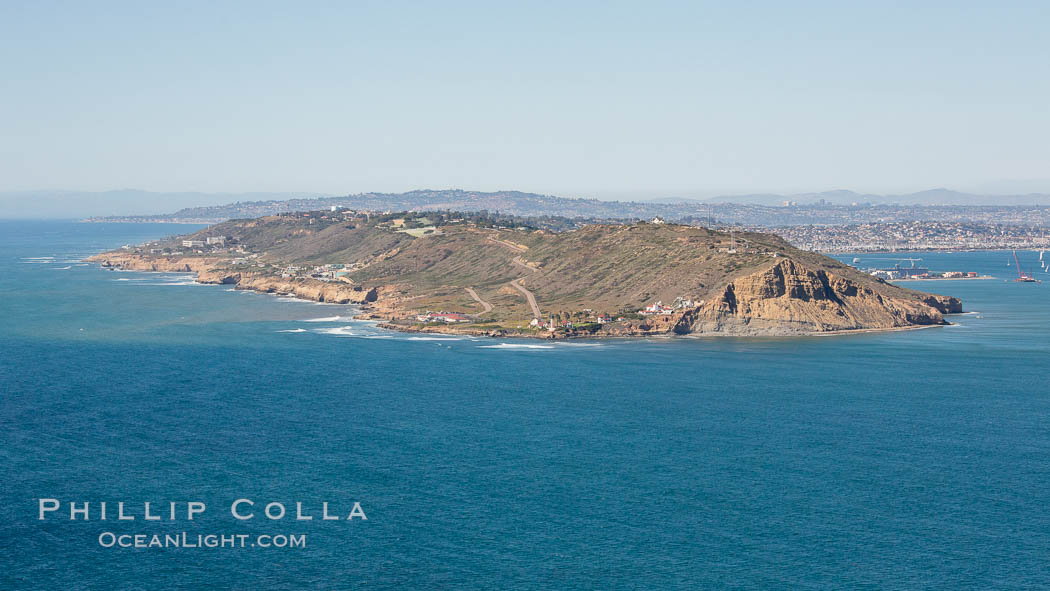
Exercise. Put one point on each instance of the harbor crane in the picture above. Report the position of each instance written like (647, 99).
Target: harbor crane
(1023, 277)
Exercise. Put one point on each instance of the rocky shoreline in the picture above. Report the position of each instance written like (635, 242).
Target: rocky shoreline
(785, 300)
(208, 271)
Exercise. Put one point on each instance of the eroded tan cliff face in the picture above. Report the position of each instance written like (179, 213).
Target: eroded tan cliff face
(788, 298)
(137, 262)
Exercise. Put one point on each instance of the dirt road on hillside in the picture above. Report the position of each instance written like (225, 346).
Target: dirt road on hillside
(528, 296)
(484, 304)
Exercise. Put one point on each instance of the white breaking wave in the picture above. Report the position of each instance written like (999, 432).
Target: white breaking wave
(61, 268)
(339, 331)
(351, 332)
(435, 338)
(293, 330)
(329, 319)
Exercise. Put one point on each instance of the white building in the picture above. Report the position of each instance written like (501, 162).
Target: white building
(657, 308)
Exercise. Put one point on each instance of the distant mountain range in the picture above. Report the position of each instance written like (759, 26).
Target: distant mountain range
(120, 202)
(830, 207)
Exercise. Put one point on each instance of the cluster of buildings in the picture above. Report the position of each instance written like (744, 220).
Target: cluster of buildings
(445, 317)
(552, 324)
(197, 245)
(897, 273)
(329, 272)
(659, 308)
(210, 241)
(916, 235)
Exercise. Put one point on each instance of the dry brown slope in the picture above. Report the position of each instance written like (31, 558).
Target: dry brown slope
(764, 287)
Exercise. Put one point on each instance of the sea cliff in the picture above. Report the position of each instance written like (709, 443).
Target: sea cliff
(789, 298)
(213, 271)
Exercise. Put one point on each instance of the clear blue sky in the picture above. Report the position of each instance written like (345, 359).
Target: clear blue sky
(601, 99)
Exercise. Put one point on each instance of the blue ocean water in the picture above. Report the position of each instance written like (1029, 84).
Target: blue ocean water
(917, 459)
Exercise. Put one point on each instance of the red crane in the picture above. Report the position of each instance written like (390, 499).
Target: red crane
(1023, 277)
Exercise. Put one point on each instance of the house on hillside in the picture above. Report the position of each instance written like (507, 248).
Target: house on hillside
(656, 309)
(446, 317)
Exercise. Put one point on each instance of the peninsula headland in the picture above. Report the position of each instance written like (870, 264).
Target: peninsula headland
(485, 274)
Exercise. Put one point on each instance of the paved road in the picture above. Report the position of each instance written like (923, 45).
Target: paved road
(509, 245)
(517, 284)
(484, 304)
(517, 261)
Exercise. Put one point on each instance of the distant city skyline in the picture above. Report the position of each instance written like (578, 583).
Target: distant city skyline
(597, 100)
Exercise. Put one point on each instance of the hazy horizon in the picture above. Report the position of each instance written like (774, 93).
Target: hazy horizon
(592, 100)
(66, 204)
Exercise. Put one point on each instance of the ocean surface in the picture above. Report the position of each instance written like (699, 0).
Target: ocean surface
(907, 460)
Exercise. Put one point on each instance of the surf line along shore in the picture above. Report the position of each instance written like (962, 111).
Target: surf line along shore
(207, 272)
(717, 318)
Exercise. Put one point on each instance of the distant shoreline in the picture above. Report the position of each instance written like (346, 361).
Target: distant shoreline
(982, 277)
(773, 229)
(208, 221)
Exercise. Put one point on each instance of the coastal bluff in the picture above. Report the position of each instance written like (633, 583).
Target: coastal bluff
(212, 271)
(790, 298)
